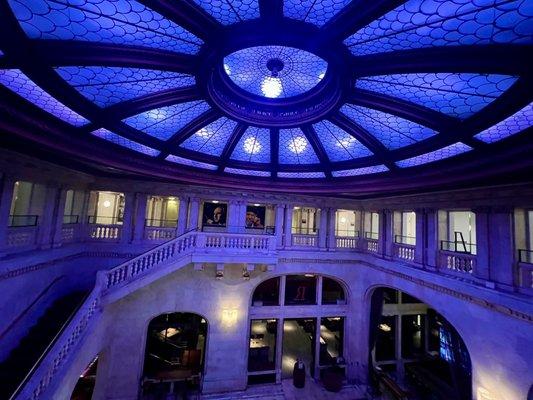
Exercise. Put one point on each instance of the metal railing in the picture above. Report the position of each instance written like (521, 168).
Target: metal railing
(346, 233)
(70, 219)
(304, 231)
(22, 220)
(96, 219)
(372, 235)
(400, 239)
(458, 246)
(161, 223)
(525, 256)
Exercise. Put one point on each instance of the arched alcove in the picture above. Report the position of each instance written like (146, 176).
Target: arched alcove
(175, 354)
(415, 348)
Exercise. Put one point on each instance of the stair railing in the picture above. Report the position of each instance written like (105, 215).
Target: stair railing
(54, 356)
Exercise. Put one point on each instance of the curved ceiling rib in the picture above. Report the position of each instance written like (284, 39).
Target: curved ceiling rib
(355, 16)
(496, 58)
(190, 16)
(151, 101)
(317, 146)
(188, 130)
(65, 53)
(374, 145)
(231, 144)
(401, 108)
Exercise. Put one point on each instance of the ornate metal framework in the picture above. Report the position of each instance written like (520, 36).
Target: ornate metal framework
(140, 86)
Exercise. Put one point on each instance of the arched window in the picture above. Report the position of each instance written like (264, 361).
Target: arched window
(407, 334)
(267, 293)
(175, 353)
(332, 292)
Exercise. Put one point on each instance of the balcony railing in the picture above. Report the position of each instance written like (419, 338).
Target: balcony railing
(405, 252)
(525, 256)
(303, 240)
(161, 223)
(346, 242)
(21, 238)
(70, 219)
(372, 235)
(525, 268)
(458, 246)
(16, 221)
(346, 233)
(67, 342)
(400, 239)
(106, 233)
(100, 220)
(457, 262)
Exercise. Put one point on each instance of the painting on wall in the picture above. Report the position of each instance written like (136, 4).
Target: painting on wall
(255, 216)
(214, 214)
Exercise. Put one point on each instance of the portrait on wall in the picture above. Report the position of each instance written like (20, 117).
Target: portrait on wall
(214, 214)
(255, 216)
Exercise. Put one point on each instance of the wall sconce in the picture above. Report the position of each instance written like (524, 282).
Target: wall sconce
(219, 274)
(246, 274)
(229, 317)
(484, 394)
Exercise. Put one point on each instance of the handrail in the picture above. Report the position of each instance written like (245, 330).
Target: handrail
(90, 301)
(39, 296)
(76, 325)
(47, 349)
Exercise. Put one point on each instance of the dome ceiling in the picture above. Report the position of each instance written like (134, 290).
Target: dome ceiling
(308, 91)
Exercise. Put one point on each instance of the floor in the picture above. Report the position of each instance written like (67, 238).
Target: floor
(287, 391)
(296, 345)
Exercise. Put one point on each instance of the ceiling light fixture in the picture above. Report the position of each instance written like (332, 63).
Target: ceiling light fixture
(251, 145)
(271, 85)
(298, 144)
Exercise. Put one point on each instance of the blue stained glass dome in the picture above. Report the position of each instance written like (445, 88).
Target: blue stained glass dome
(164, 122)
(394, 132)
(19, 83)
(124, 22)
(275, 71)
(273, 90)
(212, 138)
(106, 86)
(458, 95)
(430, 23)
(230, 11)
(253, 146)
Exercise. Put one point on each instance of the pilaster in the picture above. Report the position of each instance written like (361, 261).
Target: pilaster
(181, 226)
(47, 220)
(129, 213)
(323, 228)
(6, 197)
(331, 244)
(139, 220)
(287, 227)
(58, 221)
(280, 211)
(194, 212)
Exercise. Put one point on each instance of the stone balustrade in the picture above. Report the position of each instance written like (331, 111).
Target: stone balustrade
(525, 271)
(43, 374)
(159, 234)
(404, 252)
(107, 233)
(347, 242)
(21, 238)
(300, 240)
(462, 264)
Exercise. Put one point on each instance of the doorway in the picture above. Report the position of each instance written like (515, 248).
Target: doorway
(298, 344)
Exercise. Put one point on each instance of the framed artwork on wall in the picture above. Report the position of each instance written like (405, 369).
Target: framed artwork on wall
(214, 214)
(255, 216)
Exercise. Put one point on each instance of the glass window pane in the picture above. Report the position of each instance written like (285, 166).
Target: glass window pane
(267, 293)
(331, 340)
(390, 296)
(413, 337)
(300, 289)
(305, 220)
(332, 292)
(262, 351)
(462, 231)
(386, 339)
(345, 223)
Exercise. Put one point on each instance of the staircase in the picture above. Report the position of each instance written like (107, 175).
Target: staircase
(133, 274)
(23, 358)
(266, 392)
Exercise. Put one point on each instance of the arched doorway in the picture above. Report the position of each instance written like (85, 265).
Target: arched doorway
(174, 355)
(415, 349)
